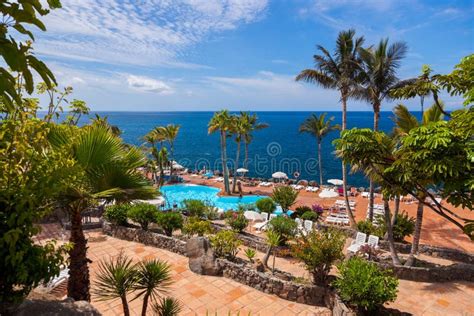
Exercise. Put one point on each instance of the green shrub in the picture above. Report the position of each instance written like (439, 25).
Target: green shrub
(266, 205)
(169, 221)
(285, 227)
(363, 285)
(117, 214)
(318, 251)
(310, 216)
(197, 226)
(367, 227)
(250, 254)
(236, 220)
(300, 210)
(404, 226)
(285, 196)
(225, 244)
(211, 213)
(143, 214)
(195, 207)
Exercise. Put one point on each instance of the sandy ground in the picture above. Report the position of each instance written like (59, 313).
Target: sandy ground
(435, 230)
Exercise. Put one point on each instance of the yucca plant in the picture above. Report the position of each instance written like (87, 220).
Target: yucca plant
(167, 306)
(115, 278)
(153, 279)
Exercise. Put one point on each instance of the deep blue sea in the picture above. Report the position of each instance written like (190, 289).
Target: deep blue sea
(280, 147)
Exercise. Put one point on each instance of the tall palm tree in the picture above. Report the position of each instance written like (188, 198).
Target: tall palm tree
(222, 122)
(378, 76)
(318, 127)
(340, 72)
(251, 125)
(106, 169)
(153, 280)
(404, 122)
(169, 133)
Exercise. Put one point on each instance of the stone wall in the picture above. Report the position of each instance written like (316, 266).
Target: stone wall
(301, 293)
(334, 302)
(454, 272)
(145, 237)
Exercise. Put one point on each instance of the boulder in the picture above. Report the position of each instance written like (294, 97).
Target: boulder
(68, 307)
(201, 257)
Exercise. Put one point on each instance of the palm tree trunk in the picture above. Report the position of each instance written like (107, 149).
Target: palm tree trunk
(371, 185)
(246, 161)
(224, 163)
(344, 171)
(78, 282)
(391, 244)
(417, 233)
(236, 167)
(320, 161)
(267, 256)
(395, 214)
(126, 311)
(145, 304)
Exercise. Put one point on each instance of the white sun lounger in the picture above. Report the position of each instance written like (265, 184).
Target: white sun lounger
(357, 243)
(373, 241)
(63, 275)
(261, 225)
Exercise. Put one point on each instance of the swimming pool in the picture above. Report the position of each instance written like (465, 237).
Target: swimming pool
(176, 194)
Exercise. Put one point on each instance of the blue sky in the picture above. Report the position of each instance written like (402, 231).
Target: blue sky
(177, 55)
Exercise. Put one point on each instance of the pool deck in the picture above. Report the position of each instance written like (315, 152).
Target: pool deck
(436, 230)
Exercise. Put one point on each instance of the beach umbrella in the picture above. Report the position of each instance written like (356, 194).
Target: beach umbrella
(328, 194)
(279, 175)
(242, 170)
(176, 165)
(336, 181)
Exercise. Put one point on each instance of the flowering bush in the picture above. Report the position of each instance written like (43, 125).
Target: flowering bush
(318, 209)
(237, 221)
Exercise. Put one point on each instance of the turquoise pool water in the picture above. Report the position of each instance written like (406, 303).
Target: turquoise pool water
(176, 194)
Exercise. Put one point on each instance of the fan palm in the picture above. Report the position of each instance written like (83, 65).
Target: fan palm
(106, 169)
(222, 122)
(115, 278)
(378, 78)
(251, 124)
(404, 122)
(318, 127)
(340, 72)
(153, 279)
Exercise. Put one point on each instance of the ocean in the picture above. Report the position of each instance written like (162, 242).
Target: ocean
(280, 147)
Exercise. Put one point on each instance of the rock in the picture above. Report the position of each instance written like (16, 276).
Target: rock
(259, 266)
(201, 257)
(56, 308)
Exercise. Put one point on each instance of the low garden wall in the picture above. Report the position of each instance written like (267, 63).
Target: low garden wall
(145, 237)
(454, 272)
(301, 293)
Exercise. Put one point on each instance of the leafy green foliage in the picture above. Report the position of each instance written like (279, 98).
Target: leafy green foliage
(285, 196)
(196, 226)
(169, 221)
(285, 227)
(33, 176)
(310, 216)
(266, 205)
(404, 226)
(19, 15)
(363, 285)
(225, 244)
(300, 210)
(250, 254)
(143, 214)
(318, 251)
(167, 306)
(236, 220)
(367, 227)
(195, 207)
(117, 213)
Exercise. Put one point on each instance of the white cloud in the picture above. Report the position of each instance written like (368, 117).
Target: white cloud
(148, 85)
(146, 32)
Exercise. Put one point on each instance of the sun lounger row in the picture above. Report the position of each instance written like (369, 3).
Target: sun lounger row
(266, 184)
(312, 189)
(338, 218)
(342, 203)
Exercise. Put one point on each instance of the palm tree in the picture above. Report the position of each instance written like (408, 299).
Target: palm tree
(222, 122)
(107, 169)
(167, 306)
(318, 127)
(115, 278)
(169, 133)
(340, 72)
(153, 279)
(404, 122)
(239, 128)
(251, 124)
(378, 77)
(273, 240)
